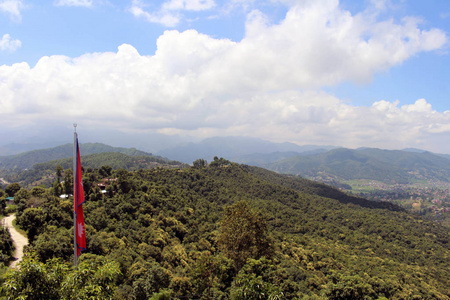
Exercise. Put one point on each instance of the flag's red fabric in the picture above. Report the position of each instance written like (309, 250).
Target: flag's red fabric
(78, 207)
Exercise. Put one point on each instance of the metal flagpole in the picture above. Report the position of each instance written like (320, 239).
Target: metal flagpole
(75, 202)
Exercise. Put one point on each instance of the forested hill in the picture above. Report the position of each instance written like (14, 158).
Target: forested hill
(44, 173)
(316, 188)
(382, 165)
(26, 160)
(229, 231)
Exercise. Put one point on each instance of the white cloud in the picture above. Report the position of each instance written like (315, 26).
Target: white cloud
(166, 18)
(170, 12)
(195, 5)
(13, 8)
(267, 85)
(82, 3)
(8, 44)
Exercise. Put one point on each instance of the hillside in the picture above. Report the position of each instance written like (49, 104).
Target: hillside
(382, 165)
(176, 232)
(26, 160)
(44, 173)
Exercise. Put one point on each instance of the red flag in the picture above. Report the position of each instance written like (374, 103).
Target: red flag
(78, 204)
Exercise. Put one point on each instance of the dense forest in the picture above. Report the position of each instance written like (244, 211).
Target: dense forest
(223, 231)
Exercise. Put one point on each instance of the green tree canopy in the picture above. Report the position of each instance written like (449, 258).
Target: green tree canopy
(243, 234)
(12, 189)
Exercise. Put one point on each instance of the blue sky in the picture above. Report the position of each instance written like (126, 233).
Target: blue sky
(348, 73)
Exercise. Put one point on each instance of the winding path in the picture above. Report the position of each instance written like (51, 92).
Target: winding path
(19, 240)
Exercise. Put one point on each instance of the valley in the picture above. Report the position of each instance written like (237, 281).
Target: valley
(427, 198)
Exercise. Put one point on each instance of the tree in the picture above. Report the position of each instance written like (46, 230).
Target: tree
(200, 163)
(105, 171)
(59, 171)
(38, 191)
(6, 246)
(2, 202)
(256, 281)
(21, 199)
(243, 234)
(217, 162)
(147, 278)
(12, 189)
(95, 278)
(2, 205)
(35, 280)
(32, 220)
(54, 242)
(68, 181)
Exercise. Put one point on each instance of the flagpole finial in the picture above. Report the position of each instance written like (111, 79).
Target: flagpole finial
(75, 126)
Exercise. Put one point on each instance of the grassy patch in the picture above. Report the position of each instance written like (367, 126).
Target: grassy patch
(20, 230)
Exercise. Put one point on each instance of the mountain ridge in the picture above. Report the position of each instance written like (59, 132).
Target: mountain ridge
(368, 163)
(233, 148)
(27, 159)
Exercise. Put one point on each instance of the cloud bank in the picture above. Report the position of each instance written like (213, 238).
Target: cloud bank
(267, 85)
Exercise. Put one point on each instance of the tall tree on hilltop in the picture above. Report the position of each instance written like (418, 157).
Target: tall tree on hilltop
(243, 234)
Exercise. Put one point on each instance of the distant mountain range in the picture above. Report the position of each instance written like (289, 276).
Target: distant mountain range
(238, 149)
(322, 163)
(28, 159)
(390, 166)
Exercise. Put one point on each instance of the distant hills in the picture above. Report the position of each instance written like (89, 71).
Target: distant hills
(38, 166)
(28, 159)
(238, 149)
(323, 163)
(390, 166)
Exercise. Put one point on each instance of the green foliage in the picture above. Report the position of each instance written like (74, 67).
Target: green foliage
(32, 221)
(164, 295)
(2, 206)
(349, 287)
(211, 273)
(217, 162)
(6, 246)
(174, 233)
(28, 159)
(243, 234)
(148, 278)
(95, 278)
(200, 163)
(256, 281)
(12, 189)
(38, 167)
(54, 242)
(35, 280)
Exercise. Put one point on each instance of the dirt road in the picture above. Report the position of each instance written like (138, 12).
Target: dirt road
(19, 240)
